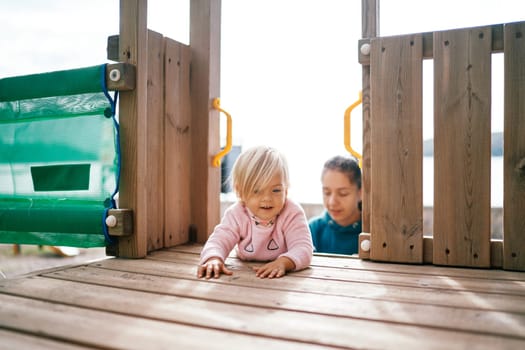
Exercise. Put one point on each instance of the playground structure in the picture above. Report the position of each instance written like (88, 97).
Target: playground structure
(165, 142)
(392, 104)
(392, 206)
(169, 124)
(169, 136)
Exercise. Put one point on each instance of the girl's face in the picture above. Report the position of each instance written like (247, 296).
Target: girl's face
(341, 197)
(265, 203)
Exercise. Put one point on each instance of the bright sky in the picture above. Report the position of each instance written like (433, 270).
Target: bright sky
(288, 67)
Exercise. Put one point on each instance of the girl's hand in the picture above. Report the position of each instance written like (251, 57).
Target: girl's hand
(276, 268)
(212, 268)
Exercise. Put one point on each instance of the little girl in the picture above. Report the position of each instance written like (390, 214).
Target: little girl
(337, 229)
(264, 224)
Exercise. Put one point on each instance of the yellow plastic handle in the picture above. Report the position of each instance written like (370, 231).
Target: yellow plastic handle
(216, 162)
(348, 144)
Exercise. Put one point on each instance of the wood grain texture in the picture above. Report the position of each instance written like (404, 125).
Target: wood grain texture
(514, 149)
(127, 80)
(103, 329)
(154, 185)
(338, 302)
(396, 224)
(124, 226)
(14, 340)
(205, 33)
(370, 29)
(462, 141)
(133, 125)
(178, 148)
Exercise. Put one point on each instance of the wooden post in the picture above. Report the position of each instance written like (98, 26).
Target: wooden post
(370, 29)
(514, 149)
(133, 125)
(205, 33)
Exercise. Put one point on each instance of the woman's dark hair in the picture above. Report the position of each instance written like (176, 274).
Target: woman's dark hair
(348, 166)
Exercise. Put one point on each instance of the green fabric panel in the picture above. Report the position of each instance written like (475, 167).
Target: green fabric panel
(58, 160)
(80, 240)
(53, 215)
(69, 177)
(58, 142)
(53, 107)
(84, 138)
(59, 83)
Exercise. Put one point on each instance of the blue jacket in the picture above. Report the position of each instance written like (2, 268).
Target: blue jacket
(330, 237)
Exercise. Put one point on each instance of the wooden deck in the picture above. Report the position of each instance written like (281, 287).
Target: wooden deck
(340, 302)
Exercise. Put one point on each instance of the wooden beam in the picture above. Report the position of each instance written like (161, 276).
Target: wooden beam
(120, 222)
(496, 253)
(514, 149)
(364, 253)
(369, 18)
(205, 34)
(496, 250)
(428, 248)
(428, 43)
(121, 76)
(112, 48)
(369, 29)
(133, 44)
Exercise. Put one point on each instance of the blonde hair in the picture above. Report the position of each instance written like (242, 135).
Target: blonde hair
(255, 168)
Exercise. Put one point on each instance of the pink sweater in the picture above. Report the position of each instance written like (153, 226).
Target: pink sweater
(289, 236)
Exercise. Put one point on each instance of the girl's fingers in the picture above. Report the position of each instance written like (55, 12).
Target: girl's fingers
(276, 273)
(217, 270)
(200, 271)
(263, 272)
(212, 270)
(226, 271)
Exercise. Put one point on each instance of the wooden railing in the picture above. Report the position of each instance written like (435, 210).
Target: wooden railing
(462, 147)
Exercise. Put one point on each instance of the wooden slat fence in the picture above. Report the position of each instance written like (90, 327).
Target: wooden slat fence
(169, 129)
(462, 147)
(169, 114)
(164, 208)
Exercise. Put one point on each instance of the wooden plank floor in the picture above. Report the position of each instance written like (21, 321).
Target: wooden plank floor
(340, 302)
